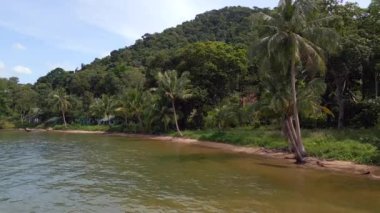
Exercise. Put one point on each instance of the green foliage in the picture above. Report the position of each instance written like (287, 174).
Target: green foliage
(361, 146)
(140, 110)
(364, 114)
(103, 128)
(349, 150)
(216, 69)
(209, 55)
(242, 136)
(230, 113)
(4, 124)
(104, 108)
(175, 88)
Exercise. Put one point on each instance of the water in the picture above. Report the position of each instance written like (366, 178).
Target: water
(56, 172)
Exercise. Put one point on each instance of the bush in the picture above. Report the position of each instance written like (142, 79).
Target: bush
(364, 114)
(4, 124)
(342, 150)
(230, 113)
(82, 127)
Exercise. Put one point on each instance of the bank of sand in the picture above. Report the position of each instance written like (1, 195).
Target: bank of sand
(349, 167)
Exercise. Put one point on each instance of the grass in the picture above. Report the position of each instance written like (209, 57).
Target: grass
(82, 127)
(4, 124)
(360, 146)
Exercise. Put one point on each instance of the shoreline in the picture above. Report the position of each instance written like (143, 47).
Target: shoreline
(348, 167)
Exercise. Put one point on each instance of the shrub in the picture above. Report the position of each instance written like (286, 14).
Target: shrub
(352, 150)
(364, 114)
(4, 124)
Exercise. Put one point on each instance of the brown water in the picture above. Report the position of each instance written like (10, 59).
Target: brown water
(54, 172)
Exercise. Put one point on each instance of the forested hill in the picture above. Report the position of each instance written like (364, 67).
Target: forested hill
(231, 25)
(211, 52)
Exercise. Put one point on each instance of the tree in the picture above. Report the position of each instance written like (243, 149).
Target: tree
(216, 69)
(132, 105)
(175, 88)
(104, 107)
(62, 102)
(25, 103)
(345, 72)
(347, 68)
(290, 46)
(371, 25)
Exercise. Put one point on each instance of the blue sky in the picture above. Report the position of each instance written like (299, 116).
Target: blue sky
(40, 35)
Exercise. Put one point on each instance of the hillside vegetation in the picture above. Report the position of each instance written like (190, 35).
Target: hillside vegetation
(298, 65)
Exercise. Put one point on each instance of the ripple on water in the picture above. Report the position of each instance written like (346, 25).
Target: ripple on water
(49, 172)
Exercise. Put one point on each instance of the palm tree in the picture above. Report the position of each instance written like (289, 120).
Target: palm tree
(62, 103)
(292, 42)
(175, 88)
(105, 107)
(132, 105)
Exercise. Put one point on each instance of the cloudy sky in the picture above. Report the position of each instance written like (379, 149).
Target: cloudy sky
(40, 35)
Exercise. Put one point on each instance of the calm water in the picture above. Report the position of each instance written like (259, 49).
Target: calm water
(53, 172)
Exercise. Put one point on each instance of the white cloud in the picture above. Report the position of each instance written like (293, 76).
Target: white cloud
(132, 19)
(18, 46)
(22, 70)
(2, 66)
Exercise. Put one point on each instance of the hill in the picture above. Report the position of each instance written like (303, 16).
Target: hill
(230, 25)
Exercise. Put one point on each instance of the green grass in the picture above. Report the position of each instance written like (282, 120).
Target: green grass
(83, 127)
(241, 136)
(4, 124)
(361, 146)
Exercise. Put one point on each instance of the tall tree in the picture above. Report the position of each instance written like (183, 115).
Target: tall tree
(373, 30)
(290, 44)
(175, 88)
(25, 102)
(62, 102)
(347, 67)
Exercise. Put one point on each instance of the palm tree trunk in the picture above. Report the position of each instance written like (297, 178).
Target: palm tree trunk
(295, 109)
(286, 133)
(64, 118)
(175, 119)
(292, 137)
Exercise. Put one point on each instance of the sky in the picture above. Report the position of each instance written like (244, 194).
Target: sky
(40, 35)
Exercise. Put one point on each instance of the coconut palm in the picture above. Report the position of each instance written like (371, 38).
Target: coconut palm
(292, 41)
(105, 107)
(62, 103)
(175, 88)
(132, 105)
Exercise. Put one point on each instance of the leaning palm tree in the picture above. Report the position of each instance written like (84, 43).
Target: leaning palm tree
(292, 41)
(175, 88)
(62, 103)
